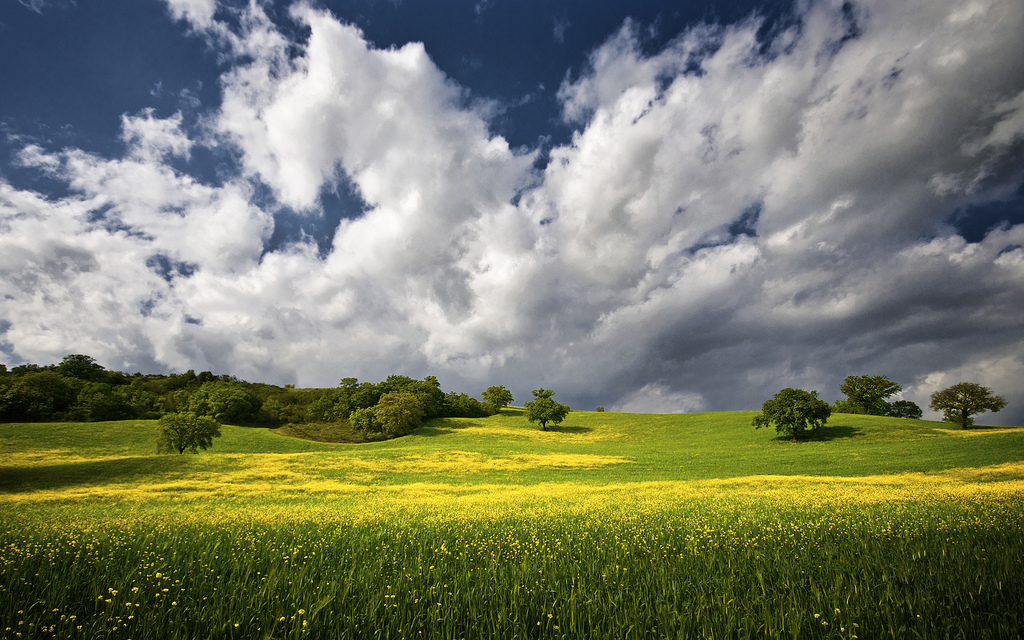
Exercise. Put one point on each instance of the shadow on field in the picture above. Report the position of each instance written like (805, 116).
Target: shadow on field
(834, 432)
(564, 429)
(436, 428)
(826, 434)
(99, 472)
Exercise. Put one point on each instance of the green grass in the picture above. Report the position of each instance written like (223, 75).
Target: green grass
(607, 526)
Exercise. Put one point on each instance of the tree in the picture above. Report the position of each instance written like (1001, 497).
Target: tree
(226, 402)
(364, 420)
(398, 413)
(82, 367)
(186, 431)
(37, 396)
(543, 409)
(867, 394)
(497, 397)
(904, 409)
(793, 412)
(964, 399)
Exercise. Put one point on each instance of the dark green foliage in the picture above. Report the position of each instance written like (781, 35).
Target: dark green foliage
(37, 396)
(544, 409)
(866, 395)
(904, 409)
(399, 412)
(186, 431)
(793, 412)
(963, 400)
(226, 402)
(98, 401)
(364, 420)
(600, 409)
(462, 405)
(81, 367)
(80, 389)
(497, 397)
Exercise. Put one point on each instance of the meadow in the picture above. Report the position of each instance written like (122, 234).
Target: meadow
(607, 526)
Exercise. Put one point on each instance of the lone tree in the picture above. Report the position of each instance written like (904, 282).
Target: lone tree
(543, 409)
(793, 412)
(497, 397)
(964, 399)
(867, 395)
(186, 431)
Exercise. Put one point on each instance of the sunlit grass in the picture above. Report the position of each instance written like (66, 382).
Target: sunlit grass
(611, 526)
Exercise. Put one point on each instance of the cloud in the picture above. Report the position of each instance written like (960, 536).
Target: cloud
(561, 25)
(153, 138)
(732, 215)
(199, 13)
(655, 398)
(41, 5)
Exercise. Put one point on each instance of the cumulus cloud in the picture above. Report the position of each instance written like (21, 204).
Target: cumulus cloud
(732, 216)
(197, 12)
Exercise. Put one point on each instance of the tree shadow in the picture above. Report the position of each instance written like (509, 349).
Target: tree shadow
(97, 472)
(564, 429)
(432, 430)
(826, 433)
(982, 427)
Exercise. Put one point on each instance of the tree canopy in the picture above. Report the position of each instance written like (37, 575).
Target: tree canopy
(963, 400)
(544, 409)
(186, 431)
(793, 412)
(497, 397)
(867, 395)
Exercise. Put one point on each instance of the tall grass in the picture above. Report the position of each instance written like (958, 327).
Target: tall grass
(615, 526)
(712, 568)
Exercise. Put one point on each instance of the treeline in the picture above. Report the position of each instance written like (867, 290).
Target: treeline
(80, 389)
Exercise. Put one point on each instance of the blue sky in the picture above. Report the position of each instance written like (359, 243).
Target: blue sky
(648, 205)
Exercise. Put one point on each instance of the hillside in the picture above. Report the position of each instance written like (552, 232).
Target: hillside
(117, 459)
(610, 525)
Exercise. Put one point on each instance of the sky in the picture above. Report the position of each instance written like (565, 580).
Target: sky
(648, 206)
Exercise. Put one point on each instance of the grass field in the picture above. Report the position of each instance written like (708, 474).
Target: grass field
(608, 526)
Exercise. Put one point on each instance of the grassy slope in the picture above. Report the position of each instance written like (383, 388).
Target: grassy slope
(591, 448)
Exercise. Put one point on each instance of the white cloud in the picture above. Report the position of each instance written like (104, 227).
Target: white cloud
(199, 13)
(653, 398)
(774, 218)
(151, 138)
